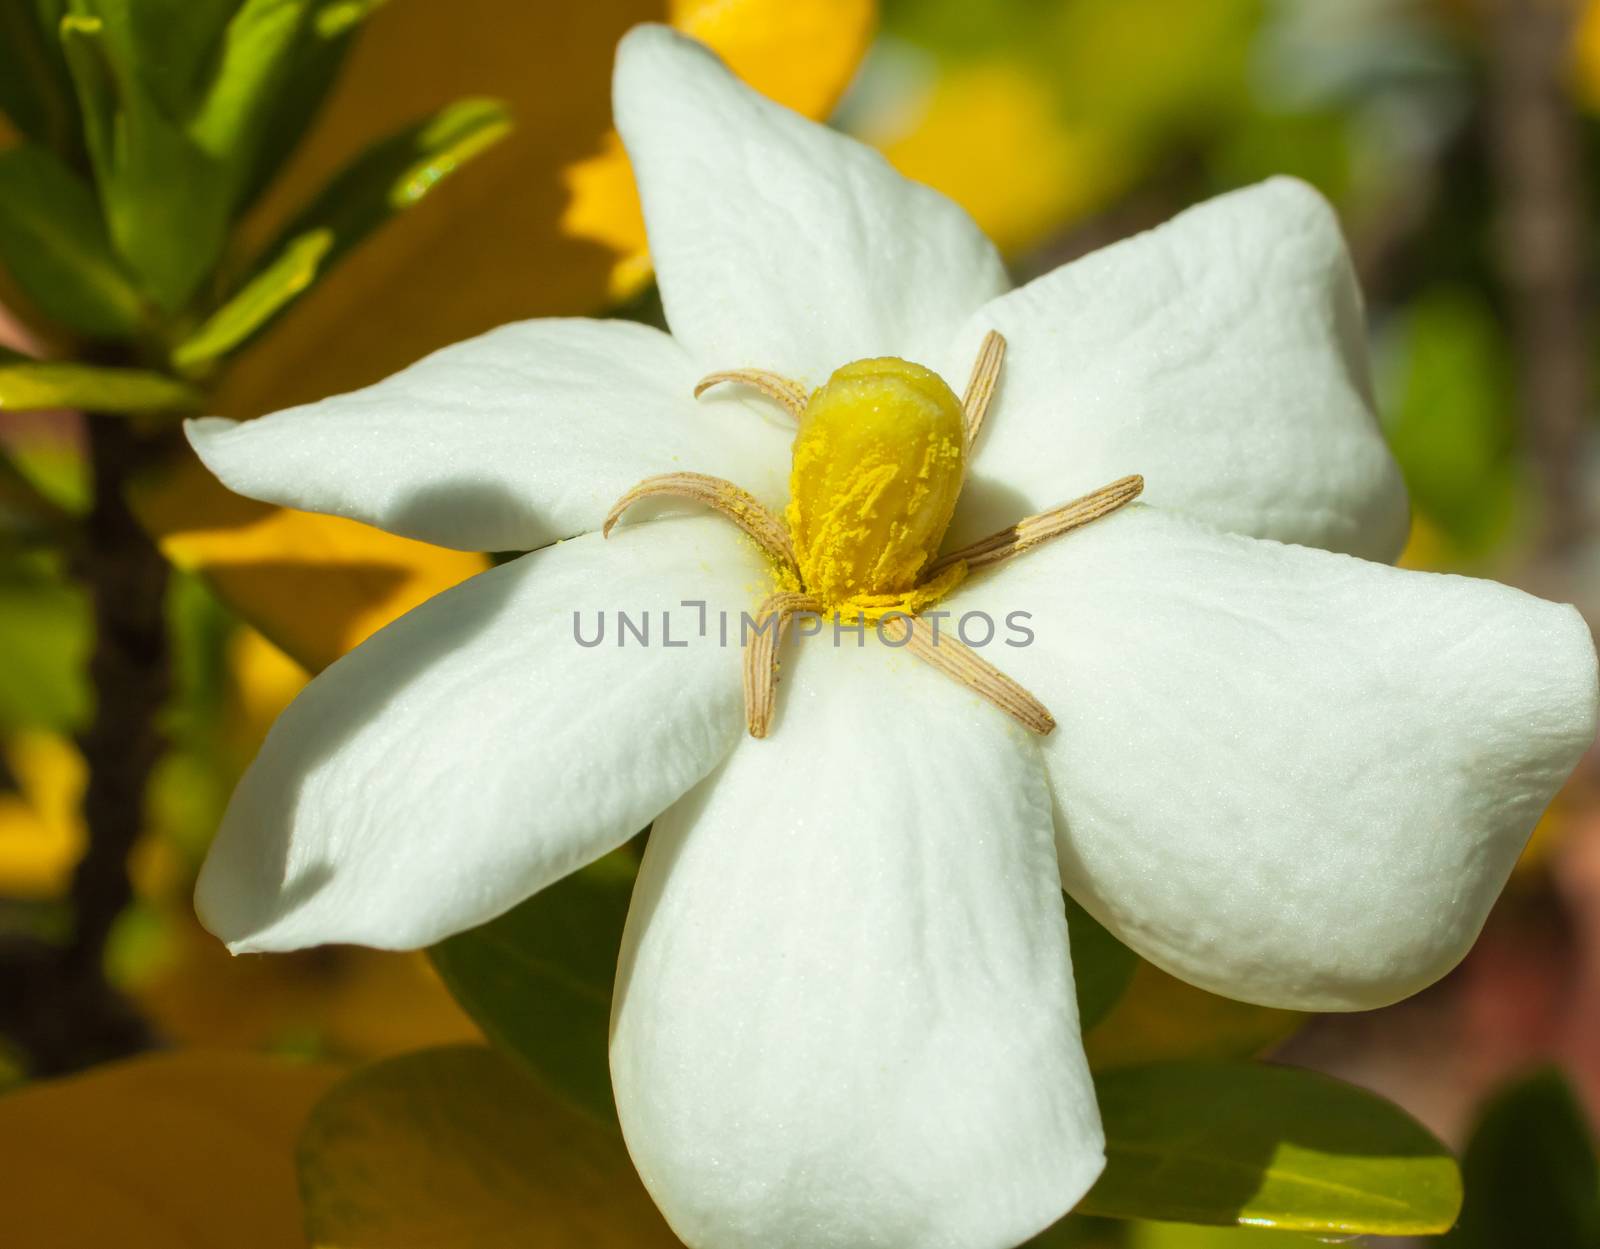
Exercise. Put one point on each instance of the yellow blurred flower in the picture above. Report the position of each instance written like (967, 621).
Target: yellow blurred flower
(41, 830)
(991, 138)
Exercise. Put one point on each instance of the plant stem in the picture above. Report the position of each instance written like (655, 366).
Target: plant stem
(59, 1006)
(129, 672)
(1536, 150)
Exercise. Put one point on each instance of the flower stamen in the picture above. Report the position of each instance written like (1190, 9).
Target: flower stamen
(734, 502)
(981, 384)
(881, 453)
(791, 394)
(1032, 531)
(761, 656)
(951, 656)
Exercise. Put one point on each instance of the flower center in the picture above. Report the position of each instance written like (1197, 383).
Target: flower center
(878, 463)
(877, 467)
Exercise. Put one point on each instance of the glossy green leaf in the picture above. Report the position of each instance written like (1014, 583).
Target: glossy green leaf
(456, 1147)
(1102, 967)
(1531, 1174)
(388, 178)
(291, 272)
(54, 244)
(538, 979)
(37, 385)
(1248, 1143)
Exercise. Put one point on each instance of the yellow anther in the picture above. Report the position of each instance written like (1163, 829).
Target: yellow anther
(877, 467)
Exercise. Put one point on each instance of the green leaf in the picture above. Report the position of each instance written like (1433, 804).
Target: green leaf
(34, 90)
(45, 636)
(1161, 1019)
(538, 979)
(53, 242)
(1531, 1174)
(311, 72)
(1452, 415)
(391, 176)
(1248, 1143)
(458, 1147)
(166, 200)
(33, 385)
(290, 273)
(1102, 967)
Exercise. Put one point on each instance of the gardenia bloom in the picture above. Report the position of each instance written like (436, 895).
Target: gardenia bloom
(844, 1015)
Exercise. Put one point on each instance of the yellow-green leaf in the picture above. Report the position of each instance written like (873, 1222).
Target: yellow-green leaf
(165, 200)
(538, 979)
(28, 385)
(288, 274)
(1159, 1018)
(187, 1149)
(1249, 1143)
(390, 177)
(457, 1147)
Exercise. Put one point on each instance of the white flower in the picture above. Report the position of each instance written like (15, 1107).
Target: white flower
(845, 1014)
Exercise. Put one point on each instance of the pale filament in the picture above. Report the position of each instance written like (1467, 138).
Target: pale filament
(919, 636)
(734, 502)
(980, 386)
(792, 395)
(1030, 531)
(955, 659)
(761, 656)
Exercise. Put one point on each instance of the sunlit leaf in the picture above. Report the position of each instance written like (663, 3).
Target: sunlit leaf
(282, 279)
(166, 200)
(1270, 1146)
(1160, 1018)
(54, 244)
(1102, 967)
(315, 585)
(457, 1147)
(1531, 1173)
(538, 980)
(390, 177)
(1147, 1235)
(177, 1149)
(40, 385)
(257, 50)
(547, 223)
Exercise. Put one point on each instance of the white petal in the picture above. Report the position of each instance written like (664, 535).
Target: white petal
(844, 1011)
(505, 442)
(1287, 776)
(473, 752)
(779, 243)
(1222, 356)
